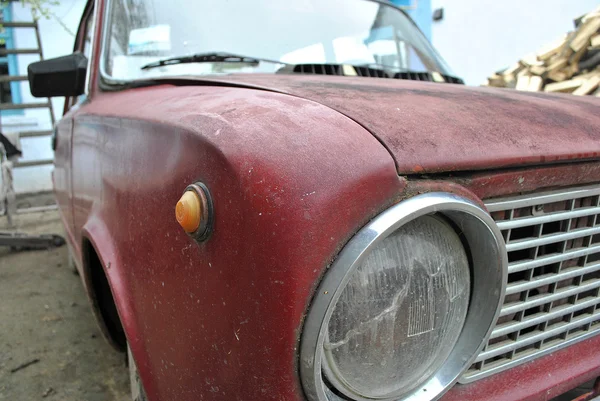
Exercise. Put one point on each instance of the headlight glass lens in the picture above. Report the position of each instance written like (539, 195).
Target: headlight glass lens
(401, 312)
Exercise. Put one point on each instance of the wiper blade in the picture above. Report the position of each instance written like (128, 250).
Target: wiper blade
(216, 57)
(382, 66)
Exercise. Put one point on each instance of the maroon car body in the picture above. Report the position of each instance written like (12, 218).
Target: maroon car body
(296, 165)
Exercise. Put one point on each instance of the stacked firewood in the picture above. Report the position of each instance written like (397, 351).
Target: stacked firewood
(570, 65)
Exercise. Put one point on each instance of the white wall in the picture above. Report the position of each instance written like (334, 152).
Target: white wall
(479, 37)
(56, 41)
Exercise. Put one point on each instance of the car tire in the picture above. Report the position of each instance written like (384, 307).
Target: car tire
(137, 389)
(71, 262)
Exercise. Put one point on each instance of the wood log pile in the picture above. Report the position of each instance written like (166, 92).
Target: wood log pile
(570, 65)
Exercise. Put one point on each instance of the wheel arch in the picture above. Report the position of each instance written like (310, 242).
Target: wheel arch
(101, 297)
(104, 278)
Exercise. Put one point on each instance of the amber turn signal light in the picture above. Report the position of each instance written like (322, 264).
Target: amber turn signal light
(189, 211)
(194, 211)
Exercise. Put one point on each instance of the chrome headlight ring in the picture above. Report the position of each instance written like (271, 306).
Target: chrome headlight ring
(488, 259)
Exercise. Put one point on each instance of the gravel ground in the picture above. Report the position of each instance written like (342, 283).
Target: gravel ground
(45, 318)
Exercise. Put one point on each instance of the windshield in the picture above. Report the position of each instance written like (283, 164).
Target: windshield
(357, 32)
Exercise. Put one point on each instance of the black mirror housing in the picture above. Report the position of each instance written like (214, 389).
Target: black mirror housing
(61, 76)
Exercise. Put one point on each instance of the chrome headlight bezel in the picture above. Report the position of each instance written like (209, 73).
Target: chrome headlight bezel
(489, 270)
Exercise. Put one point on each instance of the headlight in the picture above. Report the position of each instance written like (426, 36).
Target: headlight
(407, 305)
(401, 312)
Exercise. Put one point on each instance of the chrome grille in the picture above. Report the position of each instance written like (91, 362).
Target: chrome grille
(552, 298)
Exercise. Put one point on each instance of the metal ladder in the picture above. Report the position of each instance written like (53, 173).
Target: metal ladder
(16, 240)
(22, 106)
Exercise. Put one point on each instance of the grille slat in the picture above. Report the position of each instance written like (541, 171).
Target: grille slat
(532, 339)
(550, 279)
(540, 199)
(550, 239)
(553, 294)
(540, 300)
(527, 222)
(546, 260)
(504, 330)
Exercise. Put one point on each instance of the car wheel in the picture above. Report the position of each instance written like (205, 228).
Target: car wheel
(137, 390)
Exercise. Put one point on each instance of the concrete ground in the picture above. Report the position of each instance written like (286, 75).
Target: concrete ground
(46, 320)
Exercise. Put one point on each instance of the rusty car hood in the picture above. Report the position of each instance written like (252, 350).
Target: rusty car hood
(431, 128)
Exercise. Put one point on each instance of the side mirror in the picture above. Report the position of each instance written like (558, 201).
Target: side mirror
(62, 76)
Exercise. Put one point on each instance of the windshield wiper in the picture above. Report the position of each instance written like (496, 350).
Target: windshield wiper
(216, 57)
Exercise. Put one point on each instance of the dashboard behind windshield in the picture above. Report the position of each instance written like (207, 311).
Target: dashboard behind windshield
(356, 32)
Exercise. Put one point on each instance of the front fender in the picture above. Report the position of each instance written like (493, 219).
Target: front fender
(291, 181)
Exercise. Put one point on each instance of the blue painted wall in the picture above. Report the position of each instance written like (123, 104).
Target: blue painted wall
(6, 35)
(419, 11)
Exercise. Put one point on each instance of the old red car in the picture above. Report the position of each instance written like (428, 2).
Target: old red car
(266, 202)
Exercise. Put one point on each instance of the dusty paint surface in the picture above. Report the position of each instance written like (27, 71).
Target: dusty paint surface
(291, 181)
(201, 317)
(431, 128)
(493, 184)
